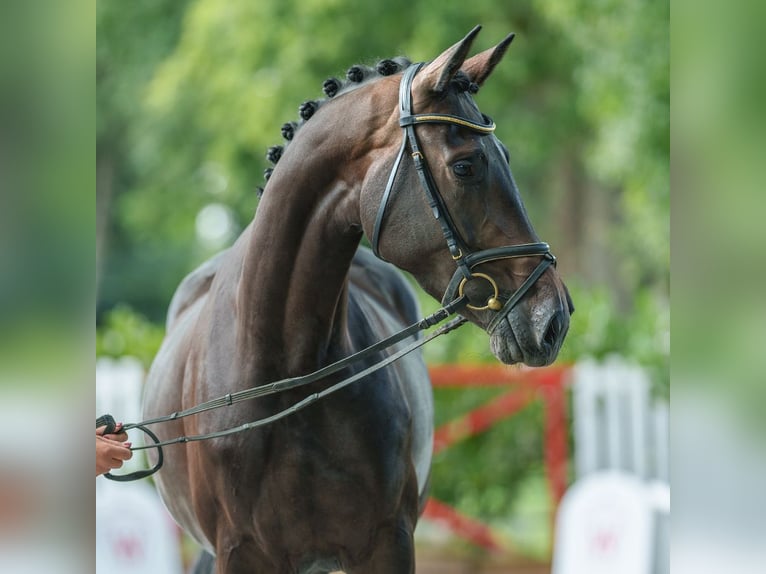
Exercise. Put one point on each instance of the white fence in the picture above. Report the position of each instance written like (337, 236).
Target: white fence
(615, 519)
(134, 532)
(616, 424)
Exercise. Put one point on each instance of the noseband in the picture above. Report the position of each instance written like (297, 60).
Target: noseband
(501, 302)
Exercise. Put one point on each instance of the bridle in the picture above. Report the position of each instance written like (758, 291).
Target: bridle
(501, 302)
(453, 300)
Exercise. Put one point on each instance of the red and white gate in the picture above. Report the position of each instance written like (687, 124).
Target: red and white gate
(524, 387)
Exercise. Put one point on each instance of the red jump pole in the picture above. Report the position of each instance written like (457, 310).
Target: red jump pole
(465, 527)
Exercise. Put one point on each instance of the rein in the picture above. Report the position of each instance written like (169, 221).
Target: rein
(290, 383)
(452, 301)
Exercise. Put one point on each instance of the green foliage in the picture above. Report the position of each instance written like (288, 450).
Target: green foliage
(190, 95)
(483, 473)
(623, 93)
(642, 334)
(126, 332)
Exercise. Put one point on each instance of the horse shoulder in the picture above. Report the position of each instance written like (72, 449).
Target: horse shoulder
(193, 287)
(387, 300)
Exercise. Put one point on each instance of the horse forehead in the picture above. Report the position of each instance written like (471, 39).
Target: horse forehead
(463, 105)
(467, 107)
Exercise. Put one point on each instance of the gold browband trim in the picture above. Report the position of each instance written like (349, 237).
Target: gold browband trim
(443, 118)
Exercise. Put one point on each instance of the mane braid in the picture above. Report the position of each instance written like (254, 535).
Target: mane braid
(356, 76)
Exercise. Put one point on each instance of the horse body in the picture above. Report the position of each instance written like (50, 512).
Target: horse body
(340, 484)
(354, 460)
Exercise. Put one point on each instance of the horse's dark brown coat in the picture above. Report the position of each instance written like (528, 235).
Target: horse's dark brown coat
(339, 484)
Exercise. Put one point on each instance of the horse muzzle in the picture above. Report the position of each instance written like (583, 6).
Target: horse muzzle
(531, 333)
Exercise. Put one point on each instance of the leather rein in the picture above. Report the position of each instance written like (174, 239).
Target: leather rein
(453, 300)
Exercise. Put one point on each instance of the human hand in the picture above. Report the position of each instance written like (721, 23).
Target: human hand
(119, 435)
(111, 450)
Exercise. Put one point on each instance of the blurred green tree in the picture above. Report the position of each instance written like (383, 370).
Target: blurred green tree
(192, 93)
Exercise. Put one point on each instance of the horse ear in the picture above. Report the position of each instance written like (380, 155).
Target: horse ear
(481, 65)
(437, 75)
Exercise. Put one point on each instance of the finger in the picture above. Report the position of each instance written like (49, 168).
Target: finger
(110, 441)
(119, 437)
(100, 430)
(126, 453)
(123, 453)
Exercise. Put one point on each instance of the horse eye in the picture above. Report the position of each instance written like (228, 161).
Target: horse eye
(463, 169)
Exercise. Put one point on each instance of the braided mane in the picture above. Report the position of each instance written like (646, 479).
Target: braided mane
(356, 76)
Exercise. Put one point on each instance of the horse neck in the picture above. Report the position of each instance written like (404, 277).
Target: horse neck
(292, 292)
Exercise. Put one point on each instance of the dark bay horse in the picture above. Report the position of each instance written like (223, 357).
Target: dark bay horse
(402, 154)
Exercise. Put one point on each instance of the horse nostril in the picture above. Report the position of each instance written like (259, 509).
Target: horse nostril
(555, 326)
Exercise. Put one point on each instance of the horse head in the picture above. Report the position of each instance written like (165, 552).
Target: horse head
(440, 202)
